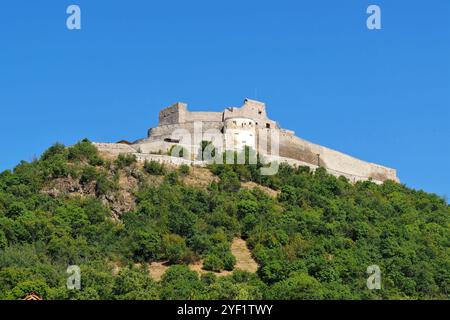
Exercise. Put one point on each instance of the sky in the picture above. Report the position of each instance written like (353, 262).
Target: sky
(380, 95)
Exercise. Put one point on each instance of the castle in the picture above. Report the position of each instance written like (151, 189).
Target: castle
(235, 128)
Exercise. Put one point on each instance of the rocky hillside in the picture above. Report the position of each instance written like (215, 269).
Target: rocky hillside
(310, 235)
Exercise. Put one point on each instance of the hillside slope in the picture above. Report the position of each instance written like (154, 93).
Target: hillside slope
(312, 235)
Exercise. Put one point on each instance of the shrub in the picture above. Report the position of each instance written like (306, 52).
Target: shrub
(245, 207)
(56, 149)
(172, 178)
(174, 248)
(145, 244)
(56, 167)
(229, 181)
(154, 168)
(3, 240)
(125, 160)
(299, 286)
(85, 151)
(135, 285)
(104, 185)
(180, 283)
(229, 260)
(184, 170)
(88, 174)
(213, 263)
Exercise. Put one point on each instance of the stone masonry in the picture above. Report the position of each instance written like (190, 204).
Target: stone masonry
(235, 128)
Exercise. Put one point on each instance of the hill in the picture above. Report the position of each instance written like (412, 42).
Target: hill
(311, 234)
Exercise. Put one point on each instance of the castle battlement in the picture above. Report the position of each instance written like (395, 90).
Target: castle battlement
(237, 127)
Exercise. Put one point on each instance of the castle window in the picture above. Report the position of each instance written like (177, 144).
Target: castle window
(268, 125)
(259, 112)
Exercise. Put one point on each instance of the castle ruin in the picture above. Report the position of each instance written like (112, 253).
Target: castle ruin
(235, 128)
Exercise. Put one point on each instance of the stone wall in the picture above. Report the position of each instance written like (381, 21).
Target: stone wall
(239, 133)
(173, 114)
(299, 149)
(116, 149)
(178, 114)
(204, 116)
(177, 126)
(254, 110)
(173, 131)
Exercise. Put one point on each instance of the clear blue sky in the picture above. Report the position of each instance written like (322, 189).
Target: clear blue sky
(382, 96)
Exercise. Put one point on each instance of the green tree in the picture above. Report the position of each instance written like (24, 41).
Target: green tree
(174, 248)
(213, 263)
(180, 283)
(297, 287)
(135, 285)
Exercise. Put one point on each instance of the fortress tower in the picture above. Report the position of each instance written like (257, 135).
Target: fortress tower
(239, 132)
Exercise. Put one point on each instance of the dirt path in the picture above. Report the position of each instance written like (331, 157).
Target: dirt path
(251, 185)
(157, 269)
(239, 249)
(244, 259)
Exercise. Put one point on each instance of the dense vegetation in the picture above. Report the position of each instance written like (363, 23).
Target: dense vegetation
(314, 240)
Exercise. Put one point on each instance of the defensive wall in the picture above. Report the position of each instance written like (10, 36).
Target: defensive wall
(116, 149)
(176, 121)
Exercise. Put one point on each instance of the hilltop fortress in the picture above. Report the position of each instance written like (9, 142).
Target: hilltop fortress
(235, 128)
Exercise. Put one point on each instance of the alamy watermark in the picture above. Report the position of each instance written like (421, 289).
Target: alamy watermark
(374, 279)
(73, 22)
(374, 20)
(229, 146)
(74, 278)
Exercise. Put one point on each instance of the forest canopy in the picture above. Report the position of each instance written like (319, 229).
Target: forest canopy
(313, 238)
